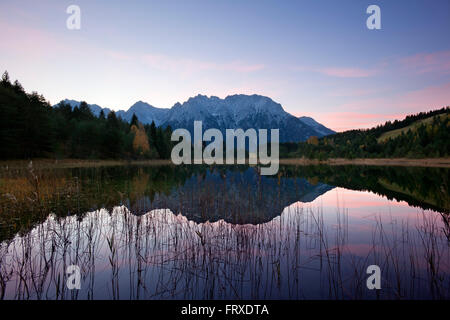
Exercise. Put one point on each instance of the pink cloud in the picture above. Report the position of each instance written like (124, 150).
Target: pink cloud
(438, 62)
(352, 92)
(428, 62)
(341, 72)
(425, 99)
(348, 72)
(28, 41)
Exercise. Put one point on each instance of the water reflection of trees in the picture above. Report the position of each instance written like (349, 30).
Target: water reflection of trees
(204, 193)
(426, 188)
(201, 192)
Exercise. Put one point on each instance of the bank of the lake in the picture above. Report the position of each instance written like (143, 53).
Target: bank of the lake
(406, 162)
(86, 163)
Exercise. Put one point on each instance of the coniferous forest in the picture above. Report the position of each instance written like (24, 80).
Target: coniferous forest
(31, 128)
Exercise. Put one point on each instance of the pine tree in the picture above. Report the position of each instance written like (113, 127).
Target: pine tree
(85, 111)
(112, 121)
(134, 120)
(153, 133)
(111, 139)
(18, 87)
(5, 80)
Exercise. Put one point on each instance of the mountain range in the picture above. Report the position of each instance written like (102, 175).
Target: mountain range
(236, 111)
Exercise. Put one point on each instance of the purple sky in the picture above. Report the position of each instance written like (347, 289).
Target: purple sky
(316, 58)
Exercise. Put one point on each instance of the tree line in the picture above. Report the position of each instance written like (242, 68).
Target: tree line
(423, 135)
(30, 127)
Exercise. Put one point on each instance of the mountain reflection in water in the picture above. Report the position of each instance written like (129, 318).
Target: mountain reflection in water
(229, 233)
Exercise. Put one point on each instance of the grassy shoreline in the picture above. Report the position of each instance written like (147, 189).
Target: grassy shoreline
(84, 163)
(77, 163)
(405, 162)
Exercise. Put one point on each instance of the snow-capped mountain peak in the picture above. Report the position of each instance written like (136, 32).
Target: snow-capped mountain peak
(235, 111)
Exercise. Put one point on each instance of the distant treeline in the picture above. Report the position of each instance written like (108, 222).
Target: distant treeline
(424, 135)
(30, 128)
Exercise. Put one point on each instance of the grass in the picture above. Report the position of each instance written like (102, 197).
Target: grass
(401, 162)
(77, 163)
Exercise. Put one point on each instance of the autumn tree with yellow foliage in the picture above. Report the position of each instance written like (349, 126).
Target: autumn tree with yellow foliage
(140, 141)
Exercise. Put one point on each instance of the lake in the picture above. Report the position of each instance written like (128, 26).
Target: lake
(225, 232)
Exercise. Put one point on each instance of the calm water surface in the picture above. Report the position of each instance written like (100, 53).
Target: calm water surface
(227, 233)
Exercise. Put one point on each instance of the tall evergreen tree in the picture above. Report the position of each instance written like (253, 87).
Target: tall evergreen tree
(134, 120)
(5, 80)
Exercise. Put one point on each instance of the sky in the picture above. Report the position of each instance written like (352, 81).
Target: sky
(315, 58)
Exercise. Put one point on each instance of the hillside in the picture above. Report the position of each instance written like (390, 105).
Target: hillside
(423, 135)
(413, 127)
